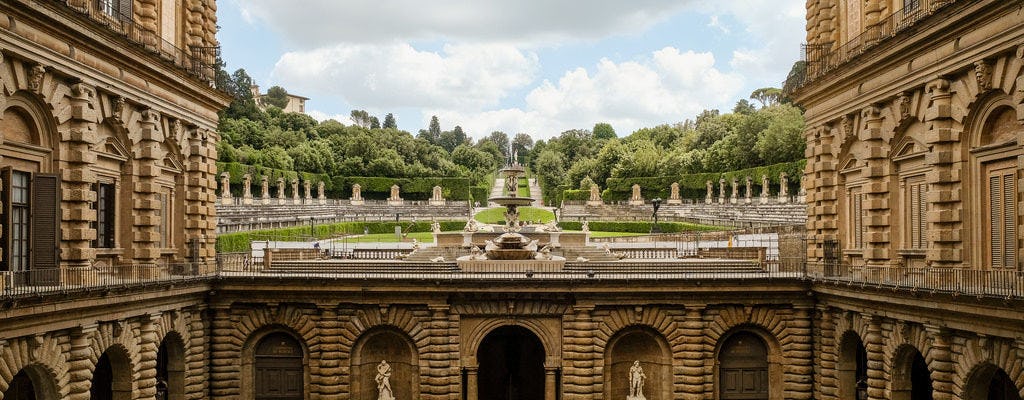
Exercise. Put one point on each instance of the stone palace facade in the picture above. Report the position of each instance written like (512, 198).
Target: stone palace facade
(908, 286)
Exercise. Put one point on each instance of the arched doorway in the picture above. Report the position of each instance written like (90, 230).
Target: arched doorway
(911, 379)
(279, 368)
(21, 388)
(743, 367)
(989, 382)
(653, 355)
(853, 367)
(170, 369)
(112, 378)
(394, 347)
(511, 365)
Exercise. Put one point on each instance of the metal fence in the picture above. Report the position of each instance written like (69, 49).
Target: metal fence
(69, 279)
(957, 281)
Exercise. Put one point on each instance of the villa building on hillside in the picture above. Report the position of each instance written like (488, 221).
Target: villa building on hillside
(296, 104)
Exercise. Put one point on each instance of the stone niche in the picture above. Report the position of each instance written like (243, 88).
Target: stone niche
(398, 350)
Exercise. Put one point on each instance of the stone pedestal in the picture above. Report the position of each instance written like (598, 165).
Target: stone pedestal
(636, 199)
(673, 197)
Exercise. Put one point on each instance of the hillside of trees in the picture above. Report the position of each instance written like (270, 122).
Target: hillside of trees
(765, 133)
(750, 136)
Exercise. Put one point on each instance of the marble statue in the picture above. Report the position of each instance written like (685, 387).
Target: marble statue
(636, 199)
(673, 197)
(721, 191)
(225, 185)
(783, 187)
(735, 191)
(395, 199)
(246, 189)
(764, 189)
(585, 227)
(320, 192)
(595, 196)
(544, 253)
(357, 195)
(280, 190)
(435, 227)
(265, 189)
(383, 380)
(636, 382)
(307, 188)
(711, 190)
(512, 185)
(471, 226)
(295, 191)
(746, 193)
(436, 196)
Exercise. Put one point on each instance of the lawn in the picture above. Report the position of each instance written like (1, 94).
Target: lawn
(497, 215)
(388, 237)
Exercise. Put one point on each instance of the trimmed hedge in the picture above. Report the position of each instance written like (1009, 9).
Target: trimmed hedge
(693, 186)
(581, 195)
(638, 226)
(238, 170)
(240, 241)
(379, 188)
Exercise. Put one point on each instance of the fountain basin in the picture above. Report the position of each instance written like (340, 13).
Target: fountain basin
(511, 201)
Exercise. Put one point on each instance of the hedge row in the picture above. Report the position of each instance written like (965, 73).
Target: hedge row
(240, 241)
(695, 185)
(379, 188)
(638, 226)
(576, 195)
(374, 188)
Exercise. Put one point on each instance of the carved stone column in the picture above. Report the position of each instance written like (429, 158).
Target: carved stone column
(146, 205)
(877, 189)
(77, 178)
(550, 389)
(148, 347)
(200, 193)
(941, 365)
(472, 385)
(330, 356)
(945, 224)
(875, 346)
(821, 206)
(579, 359)
(80, 363)
(801, 364)
(825, 350)
(693, 376)
(225, 371)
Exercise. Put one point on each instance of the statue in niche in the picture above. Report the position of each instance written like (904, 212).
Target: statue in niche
(383, 380)
(636, 382)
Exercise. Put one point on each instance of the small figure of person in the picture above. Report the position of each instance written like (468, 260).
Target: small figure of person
(636, 382)
(383, 380)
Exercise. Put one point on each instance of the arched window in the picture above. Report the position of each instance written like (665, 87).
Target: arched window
(743, 367)
(30, 196)
(853, 367)
(994, 167)
(988, 382)
(279, 372)
(653, 355)
(170, 368)
(397, 351)
(911, 379)
(112, 378)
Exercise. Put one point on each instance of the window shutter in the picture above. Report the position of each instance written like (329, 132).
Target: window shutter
(5, 218)
(45, 228)
(995, 220)
(1009, 221)
(125, 9)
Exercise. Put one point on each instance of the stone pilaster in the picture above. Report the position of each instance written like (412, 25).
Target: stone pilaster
(692, 381)
(200, 192)
(225, 370)
(194, 24)
(825, 355)
(874, 343)
(324, 382)
(80, 364)
(821, 198)
(197, 366)
(148, 19)
(440, 380)
(210, 23)
(579, 364)
(945, 224)
(940, 362)
(77, 178)
(145, 237)
(800, 354)
(877, 237)
(148, 348)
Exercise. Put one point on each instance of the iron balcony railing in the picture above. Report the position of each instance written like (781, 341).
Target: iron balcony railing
(200, 62)
(991, 283)
(820, 59)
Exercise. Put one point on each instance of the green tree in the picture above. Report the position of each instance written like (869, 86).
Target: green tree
(276, 96)
(451, 139)
(768, 96)
(389, 122)
(550, 171)
(500, 139)
(744, 107)
(361, 118)
(603, 130)
(522, 143)
(782, 140)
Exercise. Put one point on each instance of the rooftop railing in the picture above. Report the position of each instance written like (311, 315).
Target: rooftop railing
(200, 62)
(821, 59)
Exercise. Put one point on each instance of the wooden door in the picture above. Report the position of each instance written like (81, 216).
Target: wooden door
(279, 371)
(743, 368)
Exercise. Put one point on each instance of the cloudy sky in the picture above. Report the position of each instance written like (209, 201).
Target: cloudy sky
(533, 66)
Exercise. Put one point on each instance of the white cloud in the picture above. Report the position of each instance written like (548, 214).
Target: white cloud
(714, 22)
(667, 88)
(467, 77)
(776, 26)
(315, 23)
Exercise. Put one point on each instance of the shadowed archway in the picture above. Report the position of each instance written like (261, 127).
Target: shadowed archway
(511, 365)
